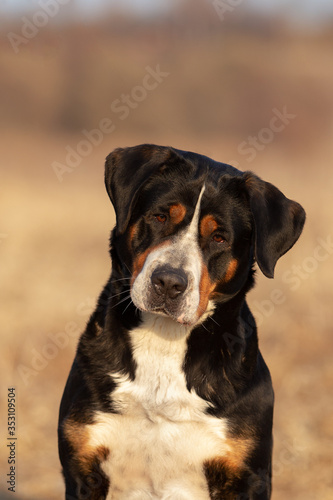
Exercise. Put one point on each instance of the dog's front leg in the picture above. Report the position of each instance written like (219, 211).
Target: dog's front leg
(93, 486)
(227, 482)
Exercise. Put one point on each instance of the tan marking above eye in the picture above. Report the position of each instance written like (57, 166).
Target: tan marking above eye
(177, 213)
(208, 225)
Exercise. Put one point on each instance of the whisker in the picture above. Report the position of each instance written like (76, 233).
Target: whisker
(202, 324)
(201, 309)
(128, 269)
(121, 301)
(118, 294)
(211, 317)
(120, 279)
(127, 307)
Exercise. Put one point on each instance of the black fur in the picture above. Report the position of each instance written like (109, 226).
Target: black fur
(223, 364)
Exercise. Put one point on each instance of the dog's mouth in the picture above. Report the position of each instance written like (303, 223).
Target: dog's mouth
(165, 311)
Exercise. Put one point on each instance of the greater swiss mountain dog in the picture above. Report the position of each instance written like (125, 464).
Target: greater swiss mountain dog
(169, 397)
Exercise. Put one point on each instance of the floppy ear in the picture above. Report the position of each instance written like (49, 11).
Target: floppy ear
(126, 170)
(278, 222)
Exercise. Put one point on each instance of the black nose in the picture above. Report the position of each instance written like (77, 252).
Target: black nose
(169, 282)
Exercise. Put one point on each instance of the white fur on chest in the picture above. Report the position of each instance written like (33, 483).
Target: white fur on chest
(161, 436)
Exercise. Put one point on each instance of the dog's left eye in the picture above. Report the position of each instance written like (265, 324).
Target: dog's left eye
(161, 218)
(218, 238)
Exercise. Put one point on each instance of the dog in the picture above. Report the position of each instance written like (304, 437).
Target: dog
(169, 397)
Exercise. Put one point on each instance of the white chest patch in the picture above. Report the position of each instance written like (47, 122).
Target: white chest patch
(161, 436)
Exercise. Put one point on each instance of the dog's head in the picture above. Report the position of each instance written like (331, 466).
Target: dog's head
(189, 228)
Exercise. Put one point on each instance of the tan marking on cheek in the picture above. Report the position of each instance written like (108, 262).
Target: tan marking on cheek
(177, 213)
(140, 260)
(207, 226)
(86, 455)
(231, 271)
(206, 287)
(138, 264)
(132, 233)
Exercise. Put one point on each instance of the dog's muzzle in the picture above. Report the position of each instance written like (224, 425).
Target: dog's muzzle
(166, 291)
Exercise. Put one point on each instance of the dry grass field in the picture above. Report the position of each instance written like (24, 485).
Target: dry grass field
(222, 88)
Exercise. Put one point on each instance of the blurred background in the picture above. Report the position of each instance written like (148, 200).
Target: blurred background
(247, 83)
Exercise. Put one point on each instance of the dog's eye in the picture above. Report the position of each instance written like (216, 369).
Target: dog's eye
(218, 238)
(161, 218)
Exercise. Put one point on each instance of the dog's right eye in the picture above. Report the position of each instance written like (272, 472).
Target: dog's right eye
(161, 218)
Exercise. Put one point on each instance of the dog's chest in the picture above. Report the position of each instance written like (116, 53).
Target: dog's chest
(161, 436)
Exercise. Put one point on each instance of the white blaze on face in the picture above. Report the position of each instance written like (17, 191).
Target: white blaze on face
(183, 252)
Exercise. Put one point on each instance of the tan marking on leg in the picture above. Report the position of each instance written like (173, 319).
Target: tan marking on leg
(233, 462)
(239, 450)
(85, 455)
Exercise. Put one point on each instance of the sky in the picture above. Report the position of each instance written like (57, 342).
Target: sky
(307, 10)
